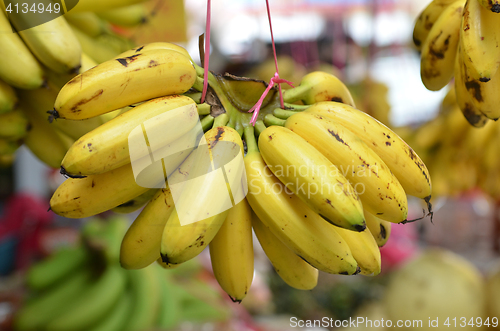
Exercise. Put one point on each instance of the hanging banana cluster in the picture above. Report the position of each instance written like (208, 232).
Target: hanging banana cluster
(324, 180)
(36, 64)
(460, 39)
(462, 159)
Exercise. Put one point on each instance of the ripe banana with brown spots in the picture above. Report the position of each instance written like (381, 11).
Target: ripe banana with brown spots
(125, 81)
(440, 48)
(379, 190)
(380, 229)
(404, 163)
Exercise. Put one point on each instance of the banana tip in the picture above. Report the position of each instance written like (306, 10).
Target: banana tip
(67, 175)
(53, 115)
(234, 300)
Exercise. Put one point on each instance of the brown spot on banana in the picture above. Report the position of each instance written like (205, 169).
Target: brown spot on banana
(96, 95)
(127, 60)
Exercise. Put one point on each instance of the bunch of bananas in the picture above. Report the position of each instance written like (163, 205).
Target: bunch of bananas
(77, 41)
(84, 288)
(459, 38)
(306, 168)
(462, 159)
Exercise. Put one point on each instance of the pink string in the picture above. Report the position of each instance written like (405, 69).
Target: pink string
(256, 108)
(274, 80)
(207, 53)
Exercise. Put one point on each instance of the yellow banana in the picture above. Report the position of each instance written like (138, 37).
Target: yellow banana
(480, 38)
(426, 20)
(319, 86)
(99, 5)
(87, 22)
(294, 271)
(54, 44)
(136, 203)
(312, 177)
(141, 244)
(291, 220)
(98, 50)
(464, 99)
(59, 80)
(183, 240)
(492, 5)
(379, 229)
(404, 163)
(89, 196)
(41, 100)
(102, 89)
(482, 93)
(164, 120)
(364, 249)
(13, 125)
(19, 66)
(8, 97)
(231, 252)
(379, 190)
(42, 139)
(155, 45)
(128, 16)
(440, 48)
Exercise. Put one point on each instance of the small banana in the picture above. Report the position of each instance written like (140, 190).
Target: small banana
(53, 43)
(182, 241)
(102, 89)
(92, 195)
(14, 125)
(8, 97)
(15, 56)
(319, 86)
(231, 252)
(294, 271)
(57, 267)
(87, 22)
(127, 16)
(492, 5)
(165, 120)
(93, 305)
(364, 249)
(404, 163)
(379, 190)
(301, 229)
(426, 20)
(480, 38)
(463, 96)
(440, 48)
(312, 177)
(379, 229)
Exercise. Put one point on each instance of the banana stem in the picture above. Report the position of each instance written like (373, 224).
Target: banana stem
(294, 107)
(221, 120)
(204, 109)
(200, 72)
(283, 114)
(198, 84)
(270, 119)
(195, 96)
(251, 142)
(206, 122)
(259, 127)
(239, 126)
(296, 93)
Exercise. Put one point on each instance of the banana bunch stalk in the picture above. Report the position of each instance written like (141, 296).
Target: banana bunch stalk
(459, 38)
(84, 288)
(320, 183)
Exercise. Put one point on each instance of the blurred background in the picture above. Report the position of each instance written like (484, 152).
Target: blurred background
(368, 45)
